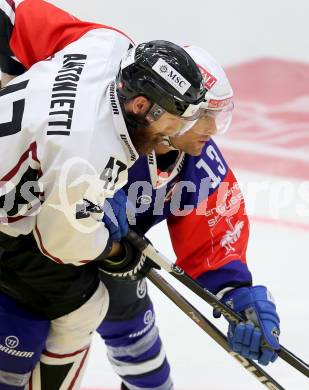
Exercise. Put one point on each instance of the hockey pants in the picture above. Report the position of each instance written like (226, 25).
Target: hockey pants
(56, 350)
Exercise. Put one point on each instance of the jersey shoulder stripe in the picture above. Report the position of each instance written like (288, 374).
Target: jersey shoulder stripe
(38, 29)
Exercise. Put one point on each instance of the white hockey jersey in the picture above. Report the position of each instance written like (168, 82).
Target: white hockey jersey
(64, 148)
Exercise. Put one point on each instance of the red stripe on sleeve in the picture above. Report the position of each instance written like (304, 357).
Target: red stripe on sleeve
(41, 30)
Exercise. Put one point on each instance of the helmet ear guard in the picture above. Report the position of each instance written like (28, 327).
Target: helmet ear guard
(155, 112)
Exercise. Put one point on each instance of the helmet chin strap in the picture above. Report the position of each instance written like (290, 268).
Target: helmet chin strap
(166, 141)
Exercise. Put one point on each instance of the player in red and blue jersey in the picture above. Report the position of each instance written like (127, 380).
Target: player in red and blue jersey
(188, 183)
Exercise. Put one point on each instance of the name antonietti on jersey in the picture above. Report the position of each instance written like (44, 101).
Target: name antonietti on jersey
(64, 94)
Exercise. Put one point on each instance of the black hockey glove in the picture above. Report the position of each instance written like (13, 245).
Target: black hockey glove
(133, 265)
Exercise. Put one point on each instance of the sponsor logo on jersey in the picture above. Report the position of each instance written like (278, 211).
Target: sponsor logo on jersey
(113, 100)
(120, 124)
(129, 147)
(12, 342)
(231, 236)
(174, 78)
(227, 206)
(64, 94)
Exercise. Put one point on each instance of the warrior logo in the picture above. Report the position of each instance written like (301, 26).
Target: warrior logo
(129, 147)
(11, 341)
(141, 289)
(113, 100)
(148, 317)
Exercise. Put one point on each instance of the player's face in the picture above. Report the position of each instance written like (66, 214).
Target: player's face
(193, 141)
(146, 137)
(167, 124)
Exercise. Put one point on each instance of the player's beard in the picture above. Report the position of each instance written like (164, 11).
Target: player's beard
(141, 135)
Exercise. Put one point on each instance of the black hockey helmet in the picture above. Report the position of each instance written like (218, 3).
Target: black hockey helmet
(164, 73)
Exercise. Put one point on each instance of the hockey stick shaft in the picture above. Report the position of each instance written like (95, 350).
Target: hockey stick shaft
(209, 328)
(178, 273)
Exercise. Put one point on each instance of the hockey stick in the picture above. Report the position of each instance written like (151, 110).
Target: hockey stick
(178, 273)
(211, 330)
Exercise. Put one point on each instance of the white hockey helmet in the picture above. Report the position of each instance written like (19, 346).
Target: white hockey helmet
(218, 101)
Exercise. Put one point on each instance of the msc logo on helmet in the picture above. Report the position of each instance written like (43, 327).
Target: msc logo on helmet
(174, 78)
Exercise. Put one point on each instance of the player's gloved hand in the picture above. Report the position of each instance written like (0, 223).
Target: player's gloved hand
(132, 264)
(249, 338)
(115, 218)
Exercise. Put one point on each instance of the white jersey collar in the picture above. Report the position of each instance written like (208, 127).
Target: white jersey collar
(162, 178)
(121, 126)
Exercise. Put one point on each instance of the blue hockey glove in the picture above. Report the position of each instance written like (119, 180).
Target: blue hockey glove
(115, 217)
(262, 326)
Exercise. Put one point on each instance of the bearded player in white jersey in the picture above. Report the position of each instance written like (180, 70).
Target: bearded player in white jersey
(68, 143)
(191, 143)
